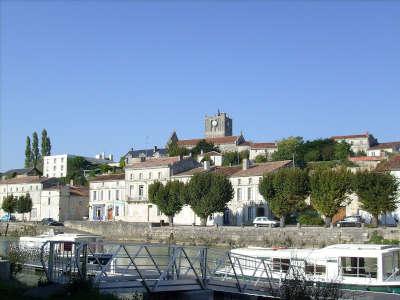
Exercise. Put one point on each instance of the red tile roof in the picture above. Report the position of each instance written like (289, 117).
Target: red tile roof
(216, 141)
(385, 145)
(263, 145)
(353, 136)
(261, 169)
(154, 162)
(25, 179)
(108, 177)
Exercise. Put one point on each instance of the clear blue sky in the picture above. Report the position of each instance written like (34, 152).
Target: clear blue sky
(109, 75)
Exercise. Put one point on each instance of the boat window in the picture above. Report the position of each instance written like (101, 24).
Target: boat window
(280, 264)
(312, 269)
(391, 263)
(359, 266)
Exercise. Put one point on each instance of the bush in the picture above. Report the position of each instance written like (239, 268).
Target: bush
(376, 238)
(310, 217)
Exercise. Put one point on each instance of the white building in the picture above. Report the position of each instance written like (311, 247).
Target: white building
(50, 199)
(214, 156)
(264, 149)
(384, 149)
(57, 165)
(358, 142)
(107, 200)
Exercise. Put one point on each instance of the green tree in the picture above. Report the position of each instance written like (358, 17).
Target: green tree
(234, 158)
(75, 170)
(9, 204)
(35, 150)
(208, 193)
(24, 204)
(289, 148)
(204, 146)
(169, 198)
(285, 191)
(377, 193)
(342, 151)
(46, 144)
(174, 149)
(28, 153)
(261, 158)
(329, 190)
(122, 162)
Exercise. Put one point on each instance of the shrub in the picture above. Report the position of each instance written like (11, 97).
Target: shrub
(310, 217)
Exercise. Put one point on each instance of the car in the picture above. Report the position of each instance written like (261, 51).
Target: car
(265, 221)
(7, 218)
(55, 223)
(352, 221)
(47, 221)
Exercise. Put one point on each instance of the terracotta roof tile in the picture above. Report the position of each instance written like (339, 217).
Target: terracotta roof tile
(263, 145)
(365, 158)
(261, 169)
(26, 179)
(108, 177)
(154, 162)
(352, 136)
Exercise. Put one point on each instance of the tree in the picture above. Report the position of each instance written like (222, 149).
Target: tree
(377, 193)
(9, 204)
(24, 204)
(261, 158)
(75, 167)
(234, 158)
(329, 190)
(169, 198)
(46, 145)
(35, 150)
(174, 149)
(289, 148)
(342, 150)
(204, 146)
(122, 162)
(285, 191)
(208, 193)
(28, 153)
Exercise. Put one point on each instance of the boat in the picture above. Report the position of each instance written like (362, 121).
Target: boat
(366, 267)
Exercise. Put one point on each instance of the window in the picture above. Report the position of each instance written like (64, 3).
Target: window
(250, 215)
(116, 194)
(249, 194)
(359, 266)
(312, 269)
(391, 263)
(22, 188)
(30, 187)
(131, 190)
(280, 264)
(149, 175)
(48, 201)
(109, 194)
(117, 211)
(159, 175)
(62, 167)
(55, 160)
(101, 195)
(239, 194)
(94, 195)
(140, 176)
(239, 181)
(250, 181)
(62, 159)
(141, 189)
(17, 189)
(131, 176)
(37, 187)
(62, 174)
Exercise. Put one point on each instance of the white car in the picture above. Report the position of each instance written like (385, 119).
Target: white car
(265, 221)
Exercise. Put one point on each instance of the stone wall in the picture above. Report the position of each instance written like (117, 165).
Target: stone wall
(231, 236)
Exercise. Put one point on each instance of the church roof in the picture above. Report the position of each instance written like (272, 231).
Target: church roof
(216, 141)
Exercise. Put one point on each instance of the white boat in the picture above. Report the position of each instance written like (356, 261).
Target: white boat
(67, 239)
(353, 266)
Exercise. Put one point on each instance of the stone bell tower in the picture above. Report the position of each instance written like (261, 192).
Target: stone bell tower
(218, 125)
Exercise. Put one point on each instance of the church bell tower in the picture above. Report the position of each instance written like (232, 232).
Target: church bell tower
(218, 125)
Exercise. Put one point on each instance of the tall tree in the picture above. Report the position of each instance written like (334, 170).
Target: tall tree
(24, 204)
(169, 198)
(35, 149)
(290, 148)
(174, 149)
(45, 144)
(329, 190)
(28, 153)
(377, 193)
(204, 146)
(285, 191)
(208, 193)
(342, 151)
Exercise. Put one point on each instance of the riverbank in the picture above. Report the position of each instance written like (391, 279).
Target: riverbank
(231, 237)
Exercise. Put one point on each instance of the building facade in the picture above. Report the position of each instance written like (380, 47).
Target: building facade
(50, 199)
(384, 149)
(264, 149)
(358, 142)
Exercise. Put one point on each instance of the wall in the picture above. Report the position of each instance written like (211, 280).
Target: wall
(231, 236)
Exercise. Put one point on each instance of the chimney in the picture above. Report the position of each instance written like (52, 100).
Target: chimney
(206, 165)
(245, 163)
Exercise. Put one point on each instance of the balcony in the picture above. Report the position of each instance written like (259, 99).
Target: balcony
(133, 199)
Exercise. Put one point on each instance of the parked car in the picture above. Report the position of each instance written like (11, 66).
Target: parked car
(47, 221)
(55, 223)
(265, 221)
(7, 218)
(353, 221)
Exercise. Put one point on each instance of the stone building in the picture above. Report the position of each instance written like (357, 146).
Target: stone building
(107, 197)
(264, 149)
(50, 198)
(358, 142)
(219, 125)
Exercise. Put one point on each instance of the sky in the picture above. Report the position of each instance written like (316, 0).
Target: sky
(111, 75)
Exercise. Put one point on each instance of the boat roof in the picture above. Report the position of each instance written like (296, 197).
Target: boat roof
(338, 250)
